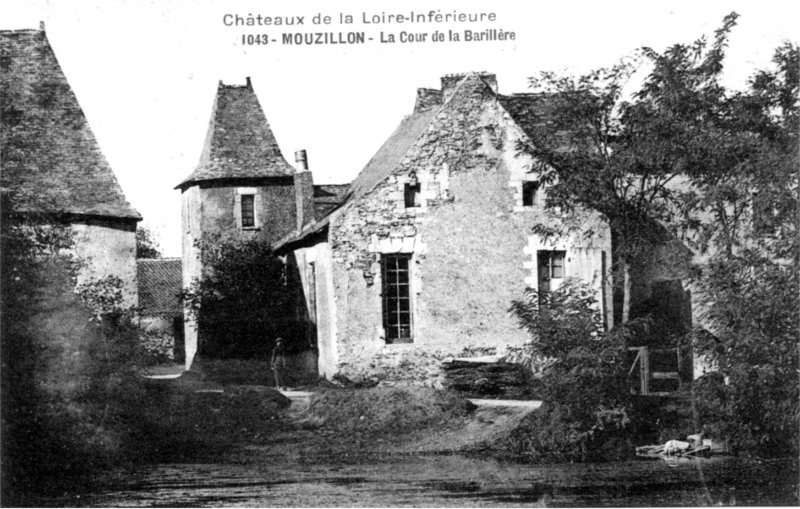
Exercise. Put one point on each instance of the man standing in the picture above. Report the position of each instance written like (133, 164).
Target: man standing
(278, 363)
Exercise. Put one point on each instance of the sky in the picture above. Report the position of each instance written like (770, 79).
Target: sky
(145, 72)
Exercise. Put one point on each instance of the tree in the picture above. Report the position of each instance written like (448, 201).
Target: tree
(587, 402)
(241, 301)
(686, 158)
(69, 390)
(631, 157)
(751, 281)
(146, 244)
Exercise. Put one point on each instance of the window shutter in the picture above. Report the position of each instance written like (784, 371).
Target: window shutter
(257, 210)
(237, 210)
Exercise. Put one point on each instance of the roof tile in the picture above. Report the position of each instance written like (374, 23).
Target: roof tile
(50, 158)
(239, 142)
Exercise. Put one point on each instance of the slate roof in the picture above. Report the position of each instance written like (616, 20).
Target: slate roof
(391, 153)
(239, 142)
(160, 282)
(529, 111)
(50, 158)
(327, 197)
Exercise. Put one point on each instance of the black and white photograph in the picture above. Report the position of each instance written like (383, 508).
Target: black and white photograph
(399, 254)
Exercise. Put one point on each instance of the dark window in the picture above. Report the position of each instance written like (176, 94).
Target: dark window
(248, 211)
(412, 195)
(551, 266)
(396, 298)
(529, 190)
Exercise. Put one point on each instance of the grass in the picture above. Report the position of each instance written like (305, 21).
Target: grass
(385, 410)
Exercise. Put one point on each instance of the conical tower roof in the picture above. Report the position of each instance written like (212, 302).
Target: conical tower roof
(51, 161)
(239, 143)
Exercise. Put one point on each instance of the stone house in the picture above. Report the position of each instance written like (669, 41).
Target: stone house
(52, 164)
(434, 239)
(160, 282)
(242, 189)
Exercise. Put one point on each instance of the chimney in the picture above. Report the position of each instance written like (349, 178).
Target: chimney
(301, 159)
(249, 85)
(426, 99)
(304, 191)
(451, 81)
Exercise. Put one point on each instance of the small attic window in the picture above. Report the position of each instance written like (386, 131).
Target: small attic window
(248, 211)
(529, 190)
(412, 195)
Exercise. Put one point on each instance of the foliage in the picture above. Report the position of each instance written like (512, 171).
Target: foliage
(146, 243)
(585, 386)
(105, 297)
(157, 346)
(68, 380)
(750, 283)
(64, 379)
(756, 398)
(686, 157)
(241, 300)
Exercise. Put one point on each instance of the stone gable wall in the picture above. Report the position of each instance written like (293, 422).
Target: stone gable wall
(468, 238)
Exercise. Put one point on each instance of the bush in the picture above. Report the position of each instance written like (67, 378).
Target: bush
(754, 399)
(584, 386)
(68, 381)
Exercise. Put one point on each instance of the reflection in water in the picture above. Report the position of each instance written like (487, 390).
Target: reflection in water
(455, 481)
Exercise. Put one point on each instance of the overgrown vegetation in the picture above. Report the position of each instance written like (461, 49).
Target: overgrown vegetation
(146, 244)
(68, 382)
(587, 403)
(241, 301)
(717, 169)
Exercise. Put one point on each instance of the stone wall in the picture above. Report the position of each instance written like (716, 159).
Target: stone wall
(275, 209)
(108, 249)
(469, 241)
(211, 208)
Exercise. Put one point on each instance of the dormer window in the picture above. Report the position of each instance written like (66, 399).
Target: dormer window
(248, 205)
(412, 195)
(530, 189)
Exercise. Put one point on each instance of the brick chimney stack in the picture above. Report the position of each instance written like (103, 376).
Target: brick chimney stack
(304, 191)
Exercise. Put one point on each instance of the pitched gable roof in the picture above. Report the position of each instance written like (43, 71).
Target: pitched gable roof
(160, 281)
(239, 142)
(391, 154)
(50, 158)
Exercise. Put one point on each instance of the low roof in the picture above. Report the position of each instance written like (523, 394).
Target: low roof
(160, 282)
(51, 160)
(239, 142)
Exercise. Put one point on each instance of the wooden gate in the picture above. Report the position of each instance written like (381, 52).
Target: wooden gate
(658, 370)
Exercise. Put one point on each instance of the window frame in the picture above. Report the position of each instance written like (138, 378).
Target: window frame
(251, 198)
(396, 298)
(551, 256)
(412, 195)
(530, 192)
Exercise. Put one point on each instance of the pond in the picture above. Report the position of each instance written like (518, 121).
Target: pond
(451, 481)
